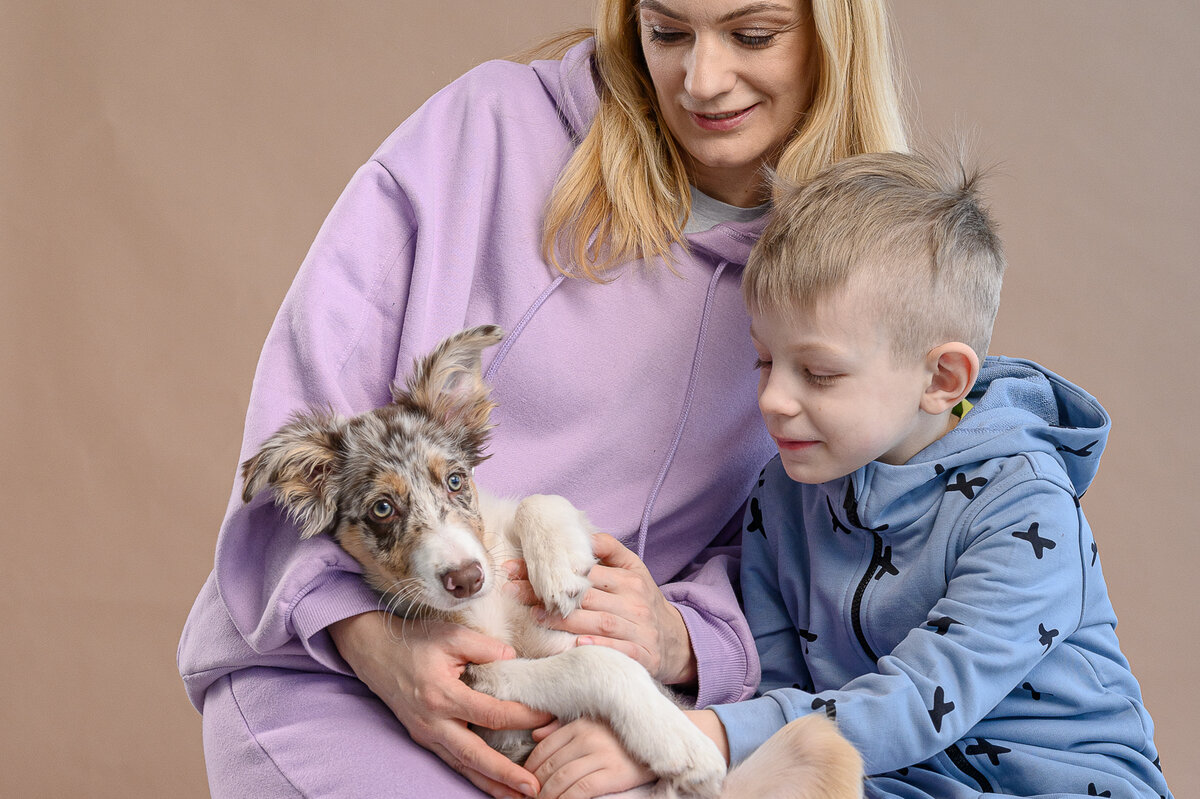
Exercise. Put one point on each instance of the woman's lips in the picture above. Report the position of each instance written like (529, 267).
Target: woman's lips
(722, 122)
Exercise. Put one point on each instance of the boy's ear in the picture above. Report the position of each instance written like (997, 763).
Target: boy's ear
(296, 463)
(953, 368)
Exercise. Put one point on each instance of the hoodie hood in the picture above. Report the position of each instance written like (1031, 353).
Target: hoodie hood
(573, 86)
(1018, 409)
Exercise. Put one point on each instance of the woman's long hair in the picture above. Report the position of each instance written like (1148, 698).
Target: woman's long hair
(624, 193)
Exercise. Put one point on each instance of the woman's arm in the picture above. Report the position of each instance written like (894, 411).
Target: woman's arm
(416, 669)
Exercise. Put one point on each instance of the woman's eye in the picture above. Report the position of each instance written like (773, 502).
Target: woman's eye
(382, 510)
(755, 38)
(455, 482)
(665, 35)
(760, 364)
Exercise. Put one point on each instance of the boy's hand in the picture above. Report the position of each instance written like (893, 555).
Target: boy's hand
(582, 760)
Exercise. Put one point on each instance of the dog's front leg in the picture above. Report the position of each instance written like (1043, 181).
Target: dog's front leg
(602, 683)
(556, 542)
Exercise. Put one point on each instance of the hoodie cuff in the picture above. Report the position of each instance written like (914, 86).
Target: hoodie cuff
(339, 596)
(722, 671)
(749, 724)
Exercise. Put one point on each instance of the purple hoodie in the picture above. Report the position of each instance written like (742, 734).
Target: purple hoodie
(634, 399)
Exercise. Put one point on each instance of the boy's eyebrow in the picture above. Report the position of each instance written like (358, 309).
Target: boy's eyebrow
(805, 347)
(744, 11)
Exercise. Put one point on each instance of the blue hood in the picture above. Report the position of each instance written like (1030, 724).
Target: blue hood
(1019, 407)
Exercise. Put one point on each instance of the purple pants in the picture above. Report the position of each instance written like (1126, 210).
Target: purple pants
(272, 733)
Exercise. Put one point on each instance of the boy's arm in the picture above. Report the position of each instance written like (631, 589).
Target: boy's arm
(1010, 608)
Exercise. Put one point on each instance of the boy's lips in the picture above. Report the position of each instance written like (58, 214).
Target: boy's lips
(793, 444)
(721, 121)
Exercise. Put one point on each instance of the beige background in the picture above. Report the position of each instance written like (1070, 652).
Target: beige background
(164, 166)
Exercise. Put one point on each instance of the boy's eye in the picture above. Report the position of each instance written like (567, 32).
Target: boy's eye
(759, 363)
(820, 379)
(455, 482)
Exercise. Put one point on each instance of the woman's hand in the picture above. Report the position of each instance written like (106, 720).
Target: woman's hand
(626, 611)
(581, 760)
(415, 668)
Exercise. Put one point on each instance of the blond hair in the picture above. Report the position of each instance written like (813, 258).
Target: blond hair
(624, 193)
(910, 229)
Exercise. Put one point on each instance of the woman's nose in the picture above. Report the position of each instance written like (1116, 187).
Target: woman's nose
(710, 71)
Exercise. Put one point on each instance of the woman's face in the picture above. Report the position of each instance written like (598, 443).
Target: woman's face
(733, 79)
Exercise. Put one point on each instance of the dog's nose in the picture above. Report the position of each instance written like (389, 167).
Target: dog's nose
(464, 581)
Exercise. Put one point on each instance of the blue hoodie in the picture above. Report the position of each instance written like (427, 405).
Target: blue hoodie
(950, 612)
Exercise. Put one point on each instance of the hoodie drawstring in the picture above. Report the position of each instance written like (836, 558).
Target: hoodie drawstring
(644, 528)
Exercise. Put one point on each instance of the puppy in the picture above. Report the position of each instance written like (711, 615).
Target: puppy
(394, 488)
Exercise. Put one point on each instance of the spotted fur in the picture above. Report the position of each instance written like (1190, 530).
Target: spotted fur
(394, 487)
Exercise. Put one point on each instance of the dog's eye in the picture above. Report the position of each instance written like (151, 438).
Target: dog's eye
(383, 510)
(455, 482)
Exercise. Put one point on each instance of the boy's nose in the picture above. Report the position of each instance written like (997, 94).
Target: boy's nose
(775, 400)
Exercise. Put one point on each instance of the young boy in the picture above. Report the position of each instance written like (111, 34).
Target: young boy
(915, 562)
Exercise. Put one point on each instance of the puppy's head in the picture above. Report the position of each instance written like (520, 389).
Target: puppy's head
(393, 486)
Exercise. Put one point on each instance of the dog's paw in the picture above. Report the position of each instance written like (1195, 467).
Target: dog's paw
(688, 765)
(561, 591)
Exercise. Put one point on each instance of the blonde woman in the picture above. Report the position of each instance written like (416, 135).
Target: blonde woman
(599, 206)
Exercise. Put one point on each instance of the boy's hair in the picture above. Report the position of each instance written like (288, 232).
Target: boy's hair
(911, 227)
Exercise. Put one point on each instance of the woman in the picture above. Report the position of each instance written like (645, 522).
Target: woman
(598, 207)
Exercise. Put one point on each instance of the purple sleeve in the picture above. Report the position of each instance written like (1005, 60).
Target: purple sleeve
(726, 660)
(333, 345)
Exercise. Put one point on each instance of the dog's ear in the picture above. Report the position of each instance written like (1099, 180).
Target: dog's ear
(448, 383)
(297, 463)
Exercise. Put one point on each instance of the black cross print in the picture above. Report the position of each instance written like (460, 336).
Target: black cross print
(1040, 545)
(1047, 636)
(762, 477)
(1095, 552)
(1092, 791)
(808, 638)
(850, 505)
(942, 625)
(884, 562)
(1085, 452)
(987, 748)
(967, 487)
(755, 524)
(837, 523)
(1033, 693)
(940, 708)
(830, 707)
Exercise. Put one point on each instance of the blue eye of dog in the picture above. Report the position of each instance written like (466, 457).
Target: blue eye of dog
(382, 510)
(454, 482)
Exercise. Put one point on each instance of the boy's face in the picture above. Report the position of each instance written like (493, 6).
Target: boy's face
(832, 392)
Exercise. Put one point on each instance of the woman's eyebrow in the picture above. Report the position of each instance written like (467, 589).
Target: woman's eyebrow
(755, 8)
(746, 10)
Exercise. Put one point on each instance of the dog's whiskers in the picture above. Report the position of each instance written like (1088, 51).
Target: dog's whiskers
(401, 602)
